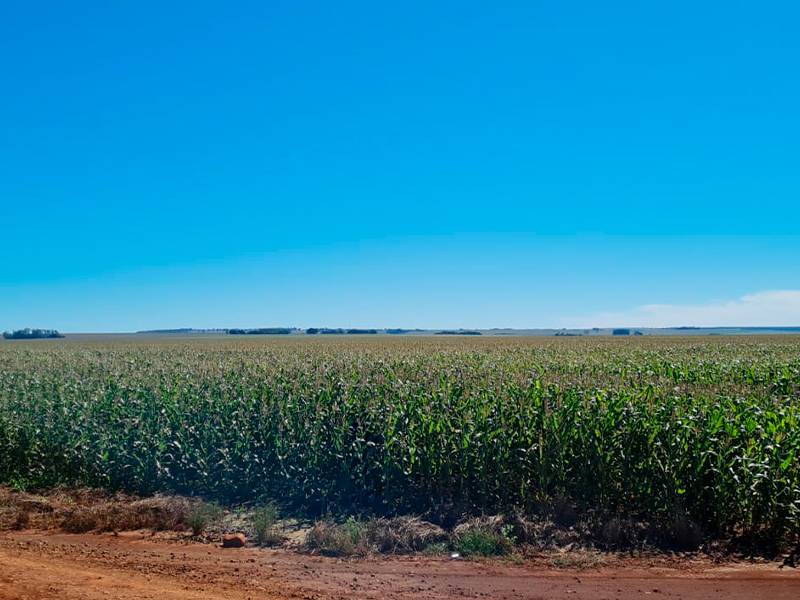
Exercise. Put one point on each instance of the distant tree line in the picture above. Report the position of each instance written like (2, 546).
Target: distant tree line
(261, 331)
(32, 334)
(459, 332)
(397, 331)
(325, 330)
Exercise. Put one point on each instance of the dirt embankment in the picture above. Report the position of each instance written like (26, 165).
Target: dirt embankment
(40, 565)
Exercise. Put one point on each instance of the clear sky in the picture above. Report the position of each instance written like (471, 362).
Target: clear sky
(386, 164)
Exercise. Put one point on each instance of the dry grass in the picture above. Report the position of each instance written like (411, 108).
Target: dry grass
(579, 559)
(400, 535)
(157, 513)
(404, 535)
(81, 510)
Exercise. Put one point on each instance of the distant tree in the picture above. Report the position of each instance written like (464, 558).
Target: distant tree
(270, 331)
(261, 331)
(621, 332)
(312, 330)
(32, 334)
(362, 331)
(459, 332)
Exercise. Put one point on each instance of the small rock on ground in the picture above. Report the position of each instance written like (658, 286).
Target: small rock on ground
(234, 540)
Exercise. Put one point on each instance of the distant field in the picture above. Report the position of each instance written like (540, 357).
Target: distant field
(323, 332)
(705, 430)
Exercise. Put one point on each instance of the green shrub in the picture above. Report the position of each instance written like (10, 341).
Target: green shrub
(264, 521)
(351, 538)
(202, 515)
(482, 541)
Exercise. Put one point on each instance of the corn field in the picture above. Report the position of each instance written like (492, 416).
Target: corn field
(652, 428)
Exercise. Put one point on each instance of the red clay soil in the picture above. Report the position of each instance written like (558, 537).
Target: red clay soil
(40, 565)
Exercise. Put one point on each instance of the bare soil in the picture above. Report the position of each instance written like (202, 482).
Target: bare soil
(48, 565)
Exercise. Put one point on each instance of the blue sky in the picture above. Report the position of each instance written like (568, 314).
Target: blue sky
(417, 164)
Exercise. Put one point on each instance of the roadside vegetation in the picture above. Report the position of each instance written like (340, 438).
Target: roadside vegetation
(674, 441)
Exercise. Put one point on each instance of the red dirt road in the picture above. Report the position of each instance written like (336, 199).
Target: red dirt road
(36, 566)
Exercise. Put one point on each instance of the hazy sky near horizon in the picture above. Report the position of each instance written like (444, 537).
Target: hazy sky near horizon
(415, 164)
